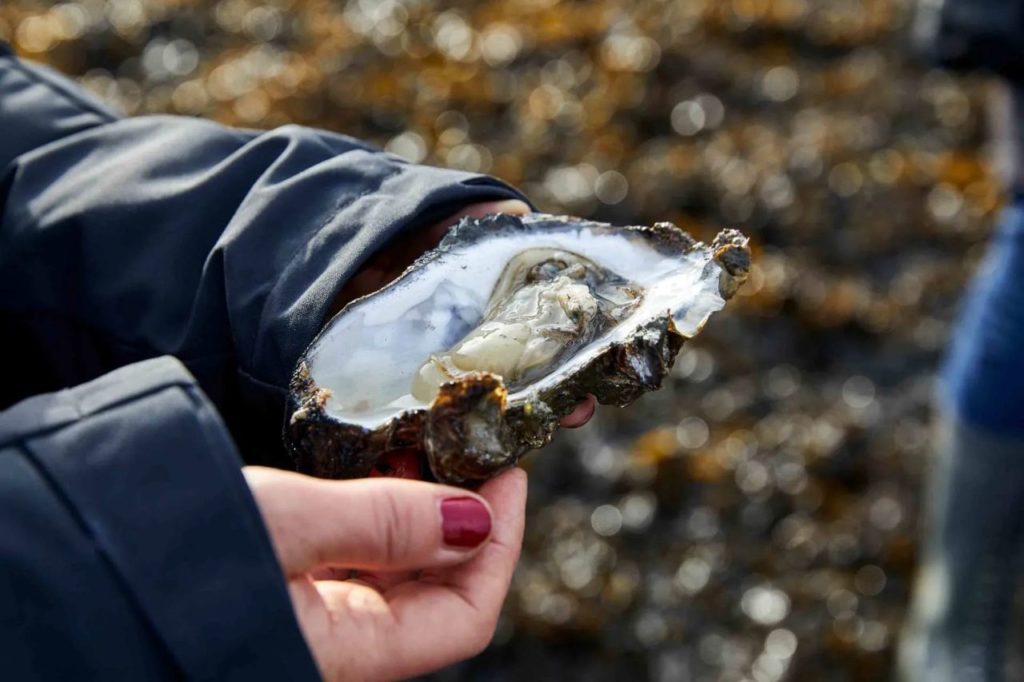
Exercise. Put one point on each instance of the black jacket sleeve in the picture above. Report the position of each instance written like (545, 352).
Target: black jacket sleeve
(125, 239)
(129, 545)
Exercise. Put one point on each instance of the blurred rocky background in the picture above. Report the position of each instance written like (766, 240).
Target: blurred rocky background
(756, 519)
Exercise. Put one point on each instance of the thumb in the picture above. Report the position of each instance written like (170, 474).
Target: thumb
(374, 523)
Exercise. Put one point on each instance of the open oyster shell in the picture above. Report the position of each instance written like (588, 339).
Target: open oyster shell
(475, 353)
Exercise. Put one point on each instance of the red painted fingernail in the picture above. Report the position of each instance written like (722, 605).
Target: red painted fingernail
(465, 522)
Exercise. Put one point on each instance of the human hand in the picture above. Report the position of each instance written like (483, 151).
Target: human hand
(463, 547)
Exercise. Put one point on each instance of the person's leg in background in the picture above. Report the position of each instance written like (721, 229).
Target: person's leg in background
(971, 561)
(972, 558)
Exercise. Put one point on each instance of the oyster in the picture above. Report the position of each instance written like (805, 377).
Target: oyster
(475, 353)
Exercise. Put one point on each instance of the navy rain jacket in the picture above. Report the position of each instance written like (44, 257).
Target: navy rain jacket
(159, 277)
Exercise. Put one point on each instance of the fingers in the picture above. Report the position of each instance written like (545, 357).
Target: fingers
(384, 581)
(510, 206)
(451, 614)
(582, 414)
(404, 463)
(487, 575)
(374, 524)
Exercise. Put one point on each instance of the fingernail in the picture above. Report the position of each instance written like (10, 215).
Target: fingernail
(465, 522)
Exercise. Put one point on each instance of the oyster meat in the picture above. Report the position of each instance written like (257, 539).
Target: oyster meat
(475, 353)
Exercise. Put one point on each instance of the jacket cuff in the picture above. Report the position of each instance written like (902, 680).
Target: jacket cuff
(148, 468)
(355, 203)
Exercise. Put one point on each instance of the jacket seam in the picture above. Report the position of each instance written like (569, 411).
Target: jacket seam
(21, 439)
(66, 95)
